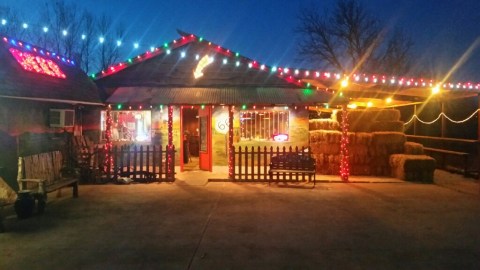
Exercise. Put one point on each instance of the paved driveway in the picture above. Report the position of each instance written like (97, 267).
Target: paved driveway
(249, 226)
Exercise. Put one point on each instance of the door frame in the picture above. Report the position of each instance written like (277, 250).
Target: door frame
(205, 157)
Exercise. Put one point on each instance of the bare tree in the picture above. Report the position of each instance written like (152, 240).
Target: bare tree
(87, 41)
(108, 49)
(349, 39)
(71, 32)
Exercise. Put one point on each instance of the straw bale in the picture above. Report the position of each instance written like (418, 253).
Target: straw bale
(363, 138)
(385, 138)
(412, 148)
(413, 167)
(387, 115)
(396, 126)
(323, 124)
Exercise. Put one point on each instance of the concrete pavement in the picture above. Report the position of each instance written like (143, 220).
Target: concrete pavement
(220, 225)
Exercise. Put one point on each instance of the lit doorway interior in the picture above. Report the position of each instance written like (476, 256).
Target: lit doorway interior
(190, 131)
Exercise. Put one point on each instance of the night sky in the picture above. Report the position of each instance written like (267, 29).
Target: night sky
(264, 30)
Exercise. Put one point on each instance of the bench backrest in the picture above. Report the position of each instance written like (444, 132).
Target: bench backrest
(292, 161)
(42, 166)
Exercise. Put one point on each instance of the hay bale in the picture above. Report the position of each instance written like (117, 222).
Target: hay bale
(323, 124)
(412, 148)
(396, 126)
(388, 138)
(387, 115)
(363, 138)
(418, 168)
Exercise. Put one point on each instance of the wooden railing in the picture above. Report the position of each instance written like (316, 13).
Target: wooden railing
(135, 162)
(451, 153)
(150, 159)
(253, 164)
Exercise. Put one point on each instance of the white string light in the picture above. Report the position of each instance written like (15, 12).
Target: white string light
(438, 117)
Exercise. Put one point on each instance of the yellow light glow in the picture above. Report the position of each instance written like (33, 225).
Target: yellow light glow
(352, 106)
(369, 104)
(389, 100)
(344, 83)
(436, 89)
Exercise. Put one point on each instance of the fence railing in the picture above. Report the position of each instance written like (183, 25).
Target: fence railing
(135, 162)
(253, 164)
(144, 160)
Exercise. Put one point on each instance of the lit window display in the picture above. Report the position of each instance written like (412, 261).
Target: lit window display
(264, 125)
(134, 126)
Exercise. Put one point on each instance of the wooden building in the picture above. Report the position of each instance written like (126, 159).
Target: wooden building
(44, 100)
(207, 89)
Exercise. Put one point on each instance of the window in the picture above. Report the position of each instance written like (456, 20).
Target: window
(129, 125)
(263, 125)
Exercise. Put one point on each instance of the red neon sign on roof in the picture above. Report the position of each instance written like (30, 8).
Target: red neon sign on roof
(37, 64)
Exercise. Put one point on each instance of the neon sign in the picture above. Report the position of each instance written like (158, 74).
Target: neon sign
(203, 63)
(280, 137)
(31, 62)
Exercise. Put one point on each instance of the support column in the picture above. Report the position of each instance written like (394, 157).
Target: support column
(415, 119)
(231, 155)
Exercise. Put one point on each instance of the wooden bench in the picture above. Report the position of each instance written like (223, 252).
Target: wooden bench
(42, 174)
(444, 152)
(292, 164)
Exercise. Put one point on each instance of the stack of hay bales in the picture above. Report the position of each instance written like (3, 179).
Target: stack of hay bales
(374, 120)
(325, 147)
(374, 136)
(383, 145)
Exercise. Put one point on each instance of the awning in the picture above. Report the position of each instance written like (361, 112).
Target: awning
(231, 95)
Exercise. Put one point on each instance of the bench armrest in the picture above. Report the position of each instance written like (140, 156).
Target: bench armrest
(41, 184)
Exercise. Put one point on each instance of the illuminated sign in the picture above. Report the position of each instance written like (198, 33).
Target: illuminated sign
(34, 63)
(280, 137)
(203, 63)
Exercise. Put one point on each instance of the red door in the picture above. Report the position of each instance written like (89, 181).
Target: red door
(205, 128)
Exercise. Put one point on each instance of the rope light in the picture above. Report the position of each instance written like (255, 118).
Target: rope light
(438, 117)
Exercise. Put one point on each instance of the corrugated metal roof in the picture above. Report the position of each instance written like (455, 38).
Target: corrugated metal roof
(230, 95)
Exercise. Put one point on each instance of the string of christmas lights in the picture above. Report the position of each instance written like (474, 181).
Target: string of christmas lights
(108, 163)
(344, 162)
(32, 48)
(438, 118)
(295, 76)
(231, 156)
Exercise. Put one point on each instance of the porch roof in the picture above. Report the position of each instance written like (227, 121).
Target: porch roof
(224, 95)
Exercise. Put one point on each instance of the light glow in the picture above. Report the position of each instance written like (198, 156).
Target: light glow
(203, 63)
(37, 64)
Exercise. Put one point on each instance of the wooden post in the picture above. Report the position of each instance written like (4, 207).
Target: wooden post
(443, 131)
(415, 120)
(478, 137)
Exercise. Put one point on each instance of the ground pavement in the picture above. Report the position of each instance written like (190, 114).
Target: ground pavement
(381, 224)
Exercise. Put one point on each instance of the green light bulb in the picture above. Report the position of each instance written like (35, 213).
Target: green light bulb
(244, 106)
(200, 39)
(119, 106)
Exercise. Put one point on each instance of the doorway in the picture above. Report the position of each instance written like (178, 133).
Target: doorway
(191, 139)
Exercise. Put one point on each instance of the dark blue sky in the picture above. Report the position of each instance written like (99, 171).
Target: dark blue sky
(442, 30)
